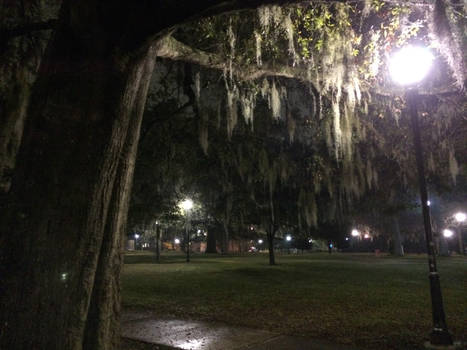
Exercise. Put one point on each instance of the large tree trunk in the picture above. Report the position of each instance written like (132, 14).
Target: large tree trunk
(211, 247)
(61, 236)
(398, 248)
(225, 238)
(158, 243)
(103, 321)
(270, 235)
(20, 57)
(443, 245)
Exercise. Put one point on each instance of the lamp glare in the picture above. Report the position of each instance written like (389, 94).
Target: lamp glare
(460, 217)
(187, 204)
(447, 233)
(410, 65)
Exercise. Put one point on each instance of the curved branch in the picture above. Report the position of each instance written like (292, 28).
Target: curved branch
(173, 49)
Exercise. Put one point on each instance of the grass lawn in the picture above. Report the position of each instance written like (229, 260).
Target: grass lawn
(363, 300)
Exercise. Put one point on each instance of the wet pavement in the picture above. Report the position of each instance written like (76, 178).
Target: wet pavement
(198, 335)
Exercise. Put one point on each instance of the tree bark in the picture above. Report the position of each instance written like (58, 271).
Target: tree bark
(103, 322)
(60, 260)
(443, 245)
(19, 60)
(270, 235)
(211, 247)
(460, 240)
(225, 238)
(398, 248)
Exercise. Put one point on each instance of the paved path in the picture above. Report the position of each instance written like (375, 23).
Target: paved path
(197, 335)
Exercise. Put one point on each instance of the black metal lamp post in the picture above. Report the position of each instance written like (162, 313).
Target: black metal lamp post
(408, 67)
(440, 334)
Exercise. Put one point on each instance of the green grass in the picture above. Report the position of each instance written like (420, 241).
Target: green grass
(369, 302)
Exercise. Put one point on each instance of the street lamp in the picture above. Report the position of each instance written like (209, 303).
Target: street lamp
(408, 67)
(355, 233)
(460, 217)
(186, 205)
(447, 233)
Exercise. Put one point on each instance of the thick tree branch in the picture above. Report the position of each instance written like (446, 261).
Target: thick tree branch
(173, 49)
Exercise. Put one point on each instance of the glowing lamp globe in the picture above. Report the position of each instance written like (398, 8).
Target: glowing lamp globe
(355, 233)
(410, 65)
(447, 233)
(187, 204)
(177, 241)
(460, 217)
(288, 238)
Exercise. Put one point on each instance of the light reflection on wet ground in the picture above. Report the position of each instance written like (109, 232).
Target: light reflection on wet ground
(197, 335)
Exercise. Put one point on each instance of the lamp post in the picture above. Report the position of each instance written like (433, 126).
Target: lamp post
(186, 205)
(408, 67)
(136, 241)
(460, 219)
(288, 239)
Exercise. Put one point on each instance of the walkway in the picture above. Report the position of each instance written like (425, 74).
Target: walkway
(197, 335)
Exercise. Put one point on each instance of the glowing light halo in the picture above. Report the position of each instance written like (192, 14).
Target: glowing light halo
(460, 217)
(410, 64)
(447, 233)
(187, 204)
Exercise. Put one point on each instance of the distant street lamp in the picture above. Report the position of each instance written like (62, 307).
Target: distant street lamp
(355, 233)
(448, 233)
(460, 217)
(136, 240)
(408, 67)
(186, 205)
(260, 241)
(288, 238)
(177, 241)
